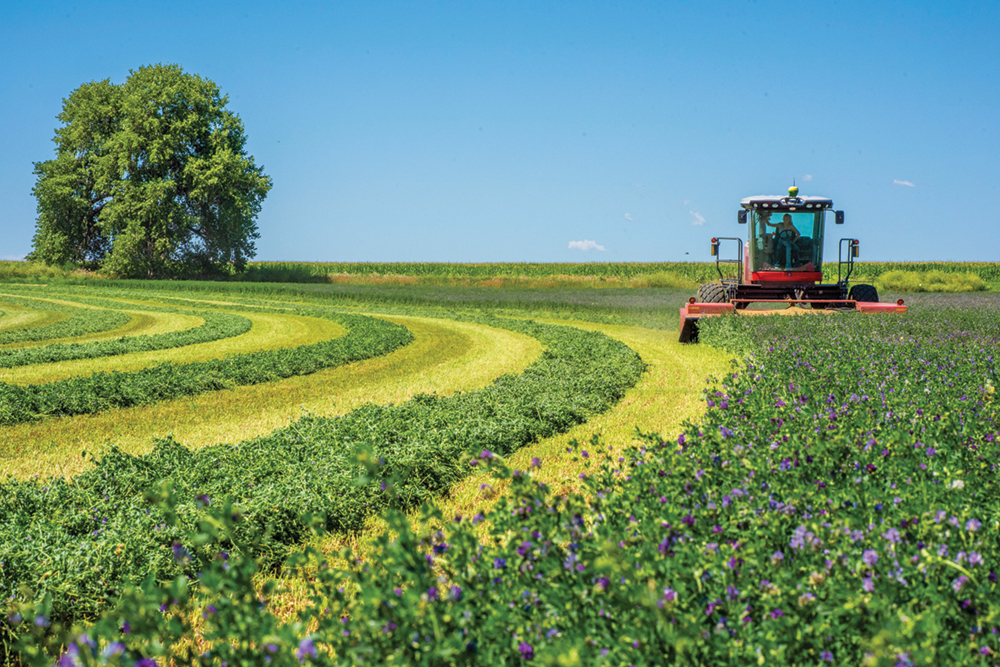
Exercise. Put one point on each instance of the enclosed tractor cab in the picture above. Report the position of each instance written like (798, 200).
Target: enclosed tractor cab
(782, 264)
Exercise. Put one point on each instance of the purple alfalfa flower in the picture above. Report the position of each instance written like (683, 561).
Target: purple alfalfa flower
(397, 591)
(603, 583)
(145, 662)
(975, 558)
(527, 651)
(584, 453)
(42, 621)
(732, 593)
(931, 451)
(524, 548)
(181, 554)
(536, 462)
(985, 650)
(306, 647)
(777, 613)
(726, 501)
(777, 557)
(826, 656)
(114, 648)
(867, 584)
(669, 594)
(550, 633)
(432, 593)
(972, 525)
(869, 557)
(209, 610)
(456, 593)
(204, 499)
(271, 648)
(499, 563)
(959, 583)
(486, 455)
(892, 535)
(856, 536)
(726, 432)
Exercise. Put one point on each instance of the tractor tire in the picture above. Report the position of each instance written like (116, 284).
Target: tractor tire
(712, 293)
(864, 293)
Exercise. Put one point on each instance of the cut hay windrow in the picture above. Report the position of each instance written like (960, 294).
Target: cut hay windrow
(81, 321)
(367, 337)
(96, 533)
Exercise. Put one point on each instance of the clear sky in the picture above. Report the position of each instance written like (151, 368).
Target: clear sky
(552, 131)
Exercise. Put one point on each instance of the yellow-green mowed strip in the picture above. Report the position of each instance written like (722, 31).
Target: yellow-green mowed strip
(669, 393)
(142, 323)
(17, 316)
(270, 331)
(445, 357)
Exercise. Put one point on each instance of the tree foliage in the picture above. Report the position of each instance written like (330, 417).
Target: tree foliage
(150, 179)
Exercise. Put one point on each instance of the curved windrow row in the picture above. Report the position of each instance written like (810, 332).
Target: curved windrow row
(81, 321)
(94, 534)
(216, 326)
(366, 338)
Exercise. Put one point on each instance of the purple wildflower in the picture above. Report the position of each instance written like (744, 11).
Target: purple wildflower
(527, 651)
(306, 647)
(869, 557)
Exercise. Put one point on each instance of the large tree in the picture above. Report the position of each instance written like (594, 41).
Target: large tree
(150, 179)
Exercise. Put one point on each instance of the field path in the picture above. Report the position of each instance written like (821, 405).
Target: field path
(445, 357)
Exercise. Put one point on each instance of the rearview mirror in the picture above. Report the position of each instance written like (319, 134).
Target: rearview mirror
(743, 217)
(838, 217)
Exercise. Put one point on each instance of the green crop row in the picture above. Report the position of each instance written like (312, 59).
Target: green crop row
(82, 321)
(697, 271)
(83, 540)
(216, 327)
(366, 338)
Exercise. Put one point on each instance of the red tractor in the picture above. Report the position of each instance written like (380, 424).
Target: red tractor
(782, 263)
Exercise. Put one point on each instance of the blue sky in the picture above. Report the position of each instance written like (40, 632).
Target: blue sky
(544, 131)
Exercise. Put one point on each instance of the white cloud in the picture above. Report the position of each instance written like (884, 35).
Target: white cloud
(585, 245)
(697, 218)
(628, 216)
(807, 178)
(906, 183)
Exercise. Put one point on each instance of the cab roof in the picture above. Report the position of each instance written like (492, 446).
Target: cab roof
(786, 203)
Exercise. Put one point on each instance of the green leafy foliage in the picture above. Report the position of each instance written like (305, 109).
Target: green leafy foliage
(95, 534)
(79, 322)
(216, 327)
(367, 337)
(151, 178)
(929, 281)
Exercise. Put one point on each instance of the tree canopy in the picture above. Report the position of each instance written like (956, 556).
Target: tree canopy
(150, 179)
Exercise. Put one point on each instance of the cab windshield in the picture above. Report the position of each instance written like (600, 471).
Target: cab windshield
(786, 241)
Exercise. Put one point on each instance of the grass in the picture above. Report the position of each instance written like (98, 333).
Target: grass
(22, 317)
(269, 332)
(668, 393)
(446, 356)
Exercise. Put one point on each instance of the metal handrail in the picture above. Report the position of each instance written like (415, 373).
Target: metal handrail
(850, 259)
(738, 262)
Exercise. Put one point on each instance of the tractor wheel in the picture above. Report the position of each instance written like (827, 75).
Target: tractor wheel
(712, 293)
(864, 293)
